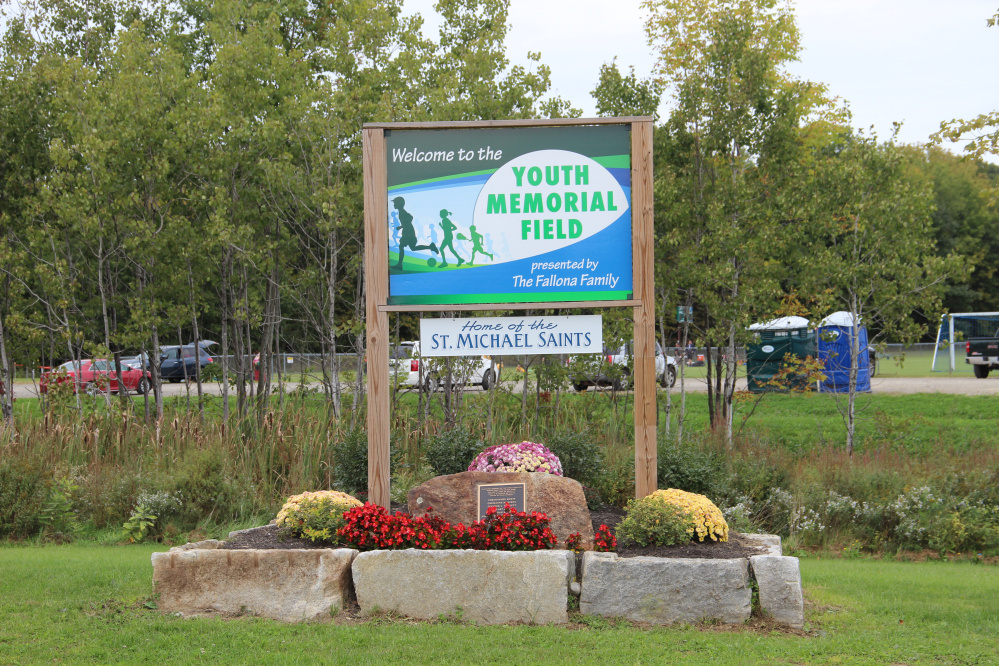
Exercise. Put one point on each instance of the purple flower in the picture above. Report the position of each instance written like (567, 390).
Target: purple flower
(523, 457)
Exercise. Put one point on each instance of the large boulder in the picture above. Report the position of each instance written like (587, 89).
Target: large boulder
(455, 498)
(779, 581)
(662, 590)
(287, 585)
(482, 586)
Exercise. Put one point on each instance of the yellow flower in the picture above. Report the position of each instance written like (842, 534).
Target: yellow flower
(708, 518)
(343, 499)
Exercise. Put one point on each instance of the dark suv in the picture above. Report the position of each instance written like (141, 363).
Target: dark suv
(176, 362)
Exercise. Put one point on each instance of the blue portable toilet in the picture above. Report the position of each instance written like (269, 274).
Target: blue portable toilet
(835, 335)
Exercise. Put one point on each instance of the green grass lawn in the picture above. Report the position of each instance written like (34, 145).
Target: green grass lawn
(84, 604)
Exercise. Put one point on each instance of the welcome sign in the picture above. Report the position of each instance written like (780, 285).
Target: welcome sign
(509, 215)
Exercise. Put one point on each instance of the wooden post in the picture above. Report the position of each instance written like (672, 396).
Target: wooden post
(645, 333)
(376, 296)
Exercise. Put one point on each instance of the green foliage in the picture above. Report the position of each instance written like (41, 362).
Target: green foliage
(23, 493)
(618, 95)
(452, 451)
(317, 518)
(755, 476)
(139, 524)
(724, 160)
(615, 484)
(208, 491)
(58, 515)
(696, 469)
(581, 456)
(350, 456)
(652, 522)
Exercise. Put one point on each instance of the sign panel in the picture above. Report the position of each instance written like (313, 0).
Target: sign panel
(509, 215)
(499, 495)
(580, 334)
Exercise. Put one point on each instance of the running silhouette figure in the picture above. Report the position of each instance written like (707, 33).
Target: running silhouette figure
(408, 237)
(449, 228)
(477, 239)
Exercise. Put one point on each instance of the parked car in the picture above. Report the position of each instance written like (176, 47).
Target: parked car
(96, 376)
(70, 371)
(614, 369)
(404, 369)
(177, 362)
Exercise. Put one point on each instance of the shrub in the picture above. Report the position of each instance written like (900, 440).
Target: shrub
(615, 484)
(581, 457)
(207, 493)
(669, 517)
(754, 476)
(139, 525)
(654, 522)
(22, 495)
(450, 452)
(315, 516)
(690, 467)
(110, 494)
(523, 457)
(350, 461)
(708, 518)
(58, 515)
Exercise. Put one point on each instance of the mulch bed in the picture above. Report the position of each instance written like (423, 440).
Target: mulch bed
(270, 536)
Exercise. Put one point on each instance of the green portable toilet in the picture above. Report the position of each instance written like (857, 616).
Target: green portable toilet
(772, 341)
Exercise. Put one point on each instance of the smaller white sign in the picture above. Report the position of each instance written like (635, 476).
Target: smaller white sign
(580, 334)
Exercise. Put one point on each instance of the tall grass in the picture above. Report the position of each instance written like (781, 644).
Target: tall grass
(247, 465)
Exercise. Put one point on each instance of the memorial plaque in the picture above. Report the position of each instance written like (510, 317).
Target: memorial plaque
(499, 495)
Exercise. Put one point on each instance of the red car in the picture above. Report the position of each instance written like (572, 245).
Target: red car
(96, 376)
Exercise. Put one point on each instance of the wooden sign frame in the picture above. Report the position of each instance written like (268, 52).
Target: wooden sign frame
(376, 279)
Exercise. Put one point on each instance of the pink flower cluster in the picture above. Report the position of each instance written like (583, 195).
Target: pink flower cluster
(523, 457)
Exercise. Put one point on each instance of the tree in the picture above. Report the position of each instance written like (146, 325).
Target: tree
(870, 239)
(618, 95)
(723, 161)
(981, 133)
(963, 223)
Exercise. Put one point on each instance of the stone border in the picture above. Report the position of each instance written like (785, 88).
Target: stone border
(481, 586)
(485, 587)
(661, 590)
(286, 585)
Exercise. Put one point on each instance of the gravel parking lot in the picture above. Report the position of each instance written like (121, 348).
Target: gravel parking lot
(889, 385)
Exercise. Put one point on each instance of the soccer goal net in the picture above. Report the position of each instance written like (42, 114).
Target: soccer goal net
(954, 329)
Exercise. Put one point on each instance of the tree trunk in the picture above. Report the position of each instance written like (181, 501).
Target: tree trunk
(197, 339)
(154, 363)
(6, 379)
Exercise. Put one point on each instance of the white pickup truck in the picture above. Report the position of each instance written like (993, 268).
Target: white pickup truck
(615, 370)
